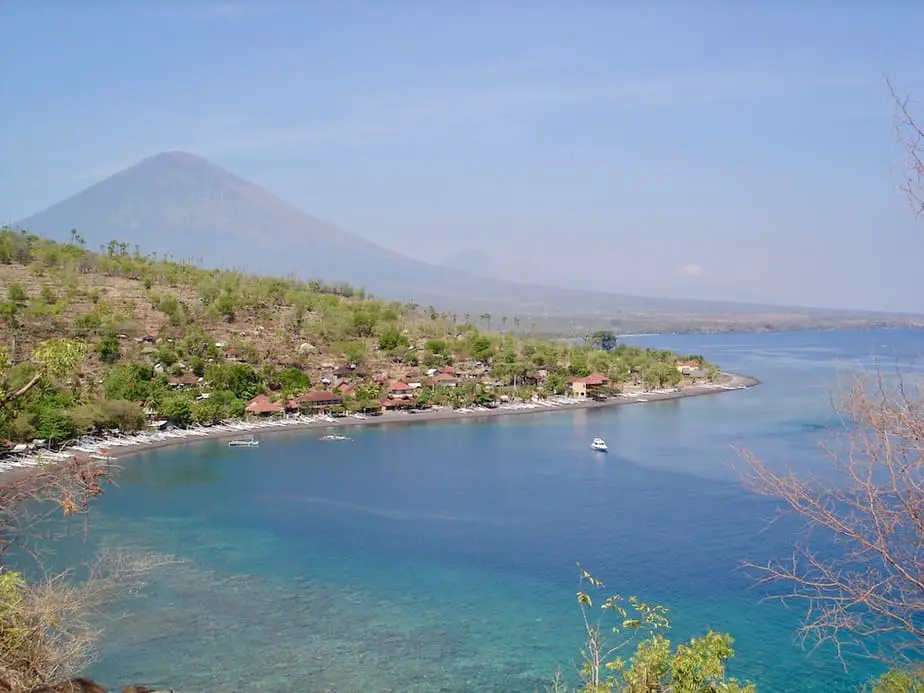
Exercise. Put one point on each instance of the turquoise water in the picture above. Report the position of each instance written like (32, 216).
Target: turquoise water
(441, 557)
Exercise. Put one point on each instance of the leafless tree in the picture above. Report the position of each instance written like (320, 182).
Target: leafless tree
(869, 591)
(49, 627)
(29, 500)
(911, 136)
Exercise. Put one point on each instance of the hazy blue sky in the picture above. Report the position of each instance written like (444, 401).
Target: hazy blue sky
(740, 150)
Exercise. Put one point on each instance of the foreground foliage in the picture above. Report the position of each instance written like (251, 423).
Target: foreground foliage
(46, 627)
(655, 665)
(46, 631)
(626, 650)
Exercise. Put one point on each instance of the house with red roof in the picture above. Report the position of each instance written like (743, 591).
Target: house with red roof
(685, 367)
(183, 382)
(261, 405)
(390, 404)
(400, 390)
(444, 380)
(589, 385)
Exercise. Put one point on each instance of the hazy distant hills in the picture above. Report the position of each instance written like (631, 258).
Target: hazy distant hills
(181, 204)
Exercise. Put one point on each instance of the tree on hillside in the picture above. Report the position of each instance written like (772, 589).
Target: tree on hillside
(238, 378)
(293, 382)
(868, 592)
(603, 339)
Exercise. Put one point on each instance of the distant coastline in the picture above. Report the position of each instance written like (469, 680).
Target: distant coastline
(727, 382)
(856, 326)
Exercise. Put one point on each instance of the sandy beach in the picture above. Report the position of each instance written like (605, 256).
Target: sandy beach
(727, 382)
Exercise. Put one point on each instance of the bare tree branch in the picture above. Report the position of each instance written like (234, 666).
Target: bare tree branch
(30, 500)
(911, 137)
(869, 591)
(16, 394)
(48, 631)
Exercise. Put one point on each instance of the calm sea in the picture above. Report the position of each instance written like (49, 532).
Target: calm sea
(441, 557)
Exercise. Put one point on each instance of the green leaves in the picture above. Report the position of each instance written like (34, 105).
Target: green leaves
(391, 340)
(132, 382)
(900, 681)
(58, 357)
(239, 378)
(293, 382)
(655, 666)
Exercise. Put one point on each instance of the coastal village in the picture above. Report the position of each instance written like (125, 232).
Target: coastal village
(353, 388)
(168, 345)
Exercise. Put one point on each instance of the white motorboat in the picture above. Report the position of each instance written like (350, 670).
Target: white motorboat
(251, 443)
(599, 444)
(332, 436)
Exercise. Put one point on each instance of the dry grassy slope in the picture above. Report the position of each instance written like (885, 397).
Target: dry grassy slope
(265, 329)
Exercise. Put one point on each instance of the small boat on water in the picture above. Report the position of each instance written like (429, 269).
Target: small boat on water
(251, 443)
(599, 445)
(333, 436)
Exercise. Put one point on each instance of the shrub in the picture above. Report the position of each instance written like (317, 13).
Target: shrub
(391, 339)
(17, 294)
(108, 349)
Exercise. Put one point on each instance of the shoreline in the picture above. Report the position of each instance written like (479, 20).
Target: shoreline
(727, 382)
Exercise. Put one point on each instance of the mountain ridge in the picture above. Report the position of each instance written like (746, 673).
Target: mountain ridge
(183, 205)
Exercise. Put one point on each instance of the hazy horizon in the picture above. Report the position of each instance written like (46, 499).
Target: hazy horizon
(742, 154)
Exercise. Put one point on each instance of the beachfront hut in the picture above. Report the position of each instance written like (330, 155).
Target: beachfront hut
(400, 390)
(396, 404)
(318, 400)
(589, 386)
(685, 367)
(261, 405)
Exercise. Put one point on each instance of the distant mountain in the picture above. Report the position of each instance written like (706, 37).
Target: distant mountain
(471, 261)
(185, 206)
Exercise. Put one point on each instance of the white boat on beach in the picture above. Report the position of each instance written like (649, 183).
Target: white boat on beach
(244, 443)
(599, 445)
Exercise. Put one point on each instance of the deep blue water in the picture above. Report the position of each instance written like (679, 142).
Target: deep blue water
(441, 557)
